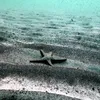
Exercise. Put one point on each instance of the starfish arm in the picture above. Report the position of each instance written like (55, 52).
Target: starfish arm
(59, 59)
(44, 58)
(49, 62)
(42, 53)
(50, 54)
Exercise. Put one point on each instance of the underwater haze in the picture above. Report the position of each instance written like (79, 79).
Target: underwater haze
(60, 22)
(73, 23)
(58, 6)
(69, 29)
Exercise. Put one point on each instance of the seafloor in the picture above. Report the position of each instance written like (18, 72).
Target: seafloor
(77, 38)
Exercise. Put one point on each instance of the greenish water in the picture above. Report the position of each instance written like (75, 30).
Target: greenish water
(58, 6)
(32, 21)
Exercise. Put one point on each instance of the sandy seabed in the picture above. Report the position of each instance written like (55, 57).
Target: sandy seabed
(61, 80)
(76, 38)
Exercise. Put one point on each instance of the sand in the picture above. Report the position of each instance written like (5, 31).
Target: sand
(75, 37)
(24, 95)
(70, 82)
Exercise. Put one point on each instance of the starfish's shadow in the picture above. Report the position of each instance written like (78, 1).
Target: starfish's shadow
(45, 62)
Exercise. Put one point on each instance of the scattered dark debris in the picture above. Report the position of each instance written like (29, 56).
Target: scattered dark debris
(77, 91)
(93, 88)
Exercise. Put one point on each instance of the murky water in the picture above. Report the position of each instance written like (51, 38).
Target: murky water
(68, 23)
(69, 28)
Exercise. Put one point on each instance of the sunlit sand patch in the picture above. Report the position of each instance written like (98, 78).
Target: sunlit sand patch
(23, 83)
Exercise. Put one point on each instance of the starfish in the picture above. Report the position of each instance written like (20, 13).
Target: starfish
(49, 58)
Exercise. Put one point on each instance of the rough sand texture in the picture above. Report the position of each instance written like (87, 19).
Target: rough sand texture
(15, 70)
(87, 56)
(24, 95)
